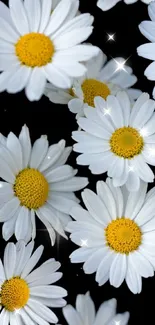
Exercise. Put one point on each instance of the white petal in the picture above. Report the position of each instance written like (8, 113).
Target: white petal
(25, 142)
(120, 318)
(147, 29)
(57, 77)
(6, 47)
(19, 79)
(33, 11)
(7, 32)
(42, 311)
(139, 102)
(106, 196)
(5, 13)
(93, 128)
(141, 264)
(133, 279)
(96, 207)
(135, 201)
(81, 254)
(118, 270)
(19, 16)
(49, 292)
(14, 146)
(34, 89)
(105, 265)
(71, 314)
(142, 169)
(8, 228)
(125, 105)
(9, 260)
(9, 209)
(72, 38)
(116, 111)
(23, 256)
(48, 267)
(144, 114)
(45, 14)
(23, 228)
(106, 311)
(133, 182)
(32, 261)
(60, 174)
(61, 203)
(53, 154)
(39, 151)
(58, 16)
(70, 185)
(93, 262)
(118, 196)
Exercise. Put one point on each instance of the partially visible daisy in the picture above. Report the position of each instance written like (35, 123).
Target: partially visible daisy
(147, 50)
(26, 294)
(108, 4)
(85, 313)
(36, 45)
(119, 139)
(37, 182)
(116, 234)
(101, 79)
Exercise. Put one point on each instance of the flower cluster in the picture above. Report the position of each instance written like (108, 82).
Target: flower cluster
(42, 51)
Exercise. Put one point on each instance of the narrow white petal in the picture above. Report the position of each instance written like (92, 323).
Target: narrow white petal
(49, 292)
(19, 79)
(23, 226)
(34, 89)
(46, 8)
(25, 142)
(9, 260)
(33, 11)
(14, 146)
(19, 16)
(118, 270)
(57, 77)
(42, 311)
(106, 311)
(39, 151)
(32, 261)
(71, 314)
(9, 209)
(7, 32)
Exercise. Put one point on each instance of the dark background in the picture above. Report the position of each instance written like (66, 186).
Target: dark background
(57, 122)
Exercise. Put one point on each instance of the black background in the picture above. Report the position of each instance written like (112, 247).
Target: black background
(57, 122)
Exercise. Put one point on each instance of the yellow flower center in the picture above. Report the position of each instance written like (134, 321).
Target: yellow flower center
(126, 142)
(123, 235)
(34, 50)
(92, 88)
(31, 188)
(14, 294)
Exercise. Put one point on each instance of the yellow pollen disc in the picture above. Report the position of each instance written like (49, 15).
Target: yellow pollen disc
(126, 142)
(123, 235)
(34, 50)
(14, 294)
(31, 188)
(92, 88)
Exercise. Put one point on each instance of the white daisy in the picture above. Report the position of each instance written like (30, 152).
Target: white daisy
(25, 294)
(147, 50)
(85, 313)
(37, 181)
(118, 232)
(119, 139)
(36, 45)
(101, 79)
(108, 4)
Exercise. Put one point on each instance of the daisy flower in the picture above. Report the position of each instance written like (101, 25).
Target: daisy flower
(116, 234)
(36, 45)
(37, 182)
(85, 312)
(101, 79)
(108, 4)
(147, 28)
(25, 294)
(118, 139)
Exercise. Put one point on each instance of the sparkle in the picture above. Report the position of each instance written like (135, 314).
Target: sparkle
(111, 37)
(84, 242)
(143, 132)
(107, 111)
(117, 322)
(17, 311)
(151, 152)
(131, 169)
(120, 65)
